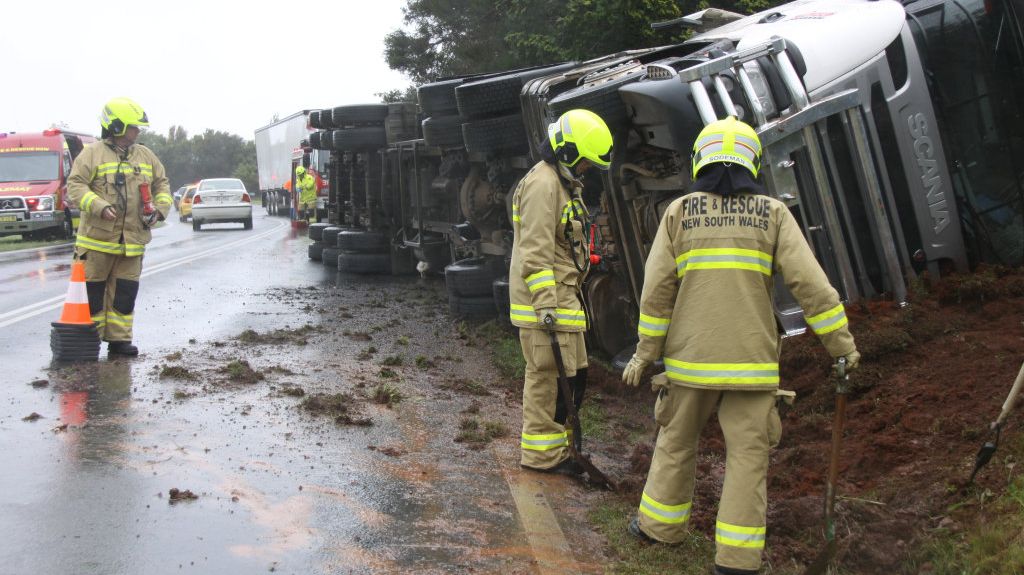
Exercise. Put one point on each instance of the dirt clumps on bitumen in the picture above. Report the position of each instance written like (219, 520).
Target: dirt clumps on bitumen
(176, 495)
(239, 371)
(343, 408)
(176, 372)
(933, 375)
(296, 336)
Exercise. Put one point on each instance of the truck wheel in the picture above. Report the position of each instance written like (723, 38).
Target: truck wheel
(472, 307)
(314, 121)
(363, 242)
(364, 263)
(359, 115)
(504, 133)
(360, 138)
(438, 98)
(329, 236)
(443, 131)
(501, 300)
(316, 231)
(471, 277)
(316, 251)
(500, 95)
(602, 99)
(329, 257)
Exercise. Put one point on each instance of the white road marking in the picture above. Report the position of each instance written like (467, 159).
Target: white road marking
(41, 307)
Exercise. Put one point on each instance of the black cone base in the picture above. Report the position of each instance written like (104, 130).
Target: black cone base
(74, 342)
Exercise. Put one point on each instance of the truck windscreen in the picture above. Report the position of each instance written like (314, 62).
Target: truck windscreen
(28, 166)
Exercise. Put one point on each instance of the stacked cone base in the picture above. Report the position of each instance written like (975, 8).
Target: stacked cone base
(74, 342)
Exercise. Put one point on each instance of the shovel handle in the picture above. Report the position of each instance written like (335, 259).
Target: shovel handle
(1010, 399)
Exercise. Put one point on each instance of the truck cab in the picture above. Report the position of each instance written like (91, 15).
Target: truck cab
(34, 169)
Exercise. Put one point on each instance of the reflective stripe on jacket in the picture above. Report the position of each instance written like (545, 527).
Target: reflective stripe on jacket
(91, 188)
(307, 189)
(707, 306)
(542, 273)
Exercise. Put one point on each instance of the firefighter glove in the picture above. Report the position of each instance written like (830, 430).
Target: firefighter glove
(544, 313)
(852, 360)
(634, 370)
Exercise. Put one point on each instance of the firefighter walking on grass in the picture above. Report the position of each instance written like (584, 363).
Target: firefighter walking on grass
(306, 186)
(706, 309)
(550, 260)
(122, 191)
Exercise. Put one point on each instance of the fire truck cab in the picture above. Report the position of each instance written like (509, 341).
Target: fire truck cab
(34, 169)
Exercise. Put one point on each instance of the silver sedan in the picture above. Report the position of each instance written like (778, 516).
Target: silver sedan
(219, 200)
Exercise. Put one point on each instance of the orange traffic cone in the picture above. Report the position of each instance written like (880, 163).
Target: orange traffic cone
(74, 337)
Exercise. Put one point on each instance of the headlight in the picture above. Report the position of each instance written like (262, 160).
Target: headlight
(760, 85)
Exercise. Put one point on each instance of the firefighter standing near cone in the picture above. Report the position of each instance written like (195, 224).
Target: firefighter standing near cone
(122, 191)
(706, 308)
(306, 185)
(549, 263)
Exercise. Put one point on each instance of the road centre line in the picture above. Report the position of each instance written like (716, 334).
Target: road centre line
(40, 307)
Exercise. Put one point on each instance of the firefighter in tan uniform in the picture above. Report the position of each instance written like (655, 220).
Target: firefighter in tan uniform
(108, 182)
(549, 263)
(706, 308)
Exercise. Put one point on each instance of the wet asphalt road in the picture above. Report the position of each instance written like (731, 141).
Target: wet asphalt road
(85, 488)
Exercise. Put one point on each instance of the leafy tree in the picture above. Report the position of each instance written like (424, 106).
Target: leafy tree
(398, 95)
(455, 37)
(211, 154)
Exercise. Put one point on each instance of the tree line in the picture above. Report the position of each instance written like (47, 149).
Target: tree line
(212, 154)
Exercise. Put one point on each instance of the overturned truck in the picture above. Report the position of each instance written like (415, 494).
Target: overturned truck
(891, 131)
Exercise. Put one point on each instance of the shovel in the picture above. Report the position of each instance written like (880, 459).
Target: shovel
(820, 563)
(576, 445)
(989, 449)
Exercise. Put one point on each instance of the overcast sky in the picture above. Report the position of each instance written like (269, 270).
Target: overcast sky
(228, 66)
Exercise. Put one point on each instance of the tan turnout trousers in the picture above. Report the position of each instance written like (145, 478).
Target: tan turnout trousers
(545, 442)
(750, 424)
(112, 282)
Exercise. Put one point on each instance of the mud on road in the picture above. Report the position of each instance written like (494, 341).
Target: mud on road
(377, 366)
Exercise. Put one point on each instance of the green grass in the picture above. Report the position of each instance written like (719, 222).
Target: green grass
(593, 418)
(11, 243)
(694, 556)
(991, 538)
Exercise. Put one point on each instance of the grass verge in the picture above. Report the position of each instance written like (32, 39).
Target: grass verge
(694, 556)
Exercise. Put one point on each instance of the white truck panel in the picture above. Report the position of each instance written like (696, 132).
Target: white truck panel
(834, 36)
(274, 146)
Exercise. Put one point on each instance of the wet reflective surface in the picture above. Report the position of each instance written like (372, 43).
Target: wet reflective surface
(86, 486)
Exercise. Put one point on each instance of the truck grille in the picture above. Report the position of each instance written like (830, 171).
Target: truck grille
(660, 72)
(12, 204)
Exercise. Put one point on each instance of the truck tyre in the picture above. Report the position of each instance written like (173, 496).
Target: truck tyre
(501, 300)
(329, 236)
(471, 277)
(314, 140)
(316, 231)
(360, 138)
(316, 251)
(364, 263)
(472, 307)
(329, 257)
(363, 242)
(504, 134)
(602, 99)
(314, 119)
(438, 98)
(443, 131)
(359, 115)
(498, 96)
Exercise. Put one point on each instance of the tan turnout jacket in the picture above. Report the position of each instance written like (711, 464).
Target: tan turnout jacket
(707, 298)
(91, 188)
(542, 273)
